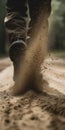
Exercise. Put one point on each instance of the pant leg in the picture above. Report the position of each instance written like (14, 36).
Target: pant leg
(37, 7)
(15, 20)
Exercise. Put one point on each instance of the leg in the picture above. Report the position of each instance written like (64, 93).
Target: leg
(39, 13)
(15, 20)
(16, 26)
(36, 8)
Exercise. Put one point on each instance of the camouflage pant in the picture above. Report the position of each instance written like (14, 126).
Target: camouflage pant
(17, 19)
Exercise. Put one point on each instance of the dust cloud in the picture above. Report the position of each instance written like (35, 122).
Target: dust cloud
(30, 76)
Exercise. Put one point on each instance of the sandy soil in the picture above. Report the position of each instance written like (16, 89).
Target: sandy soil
(32, 111)
(4, 62)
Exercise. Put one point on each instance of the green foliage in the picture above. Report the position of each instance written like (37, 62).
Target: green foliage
(57, 25)
(2, 10)
(2, 28)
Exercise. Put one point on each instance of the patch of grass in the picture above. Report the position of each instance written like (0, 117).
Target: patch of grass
(60, 53)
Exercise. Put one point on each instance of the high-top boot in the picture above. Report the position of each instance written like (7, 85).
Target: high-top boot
(16, 53)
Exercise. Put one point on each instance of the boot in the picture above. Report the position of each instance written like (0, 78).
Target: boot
(16, 53)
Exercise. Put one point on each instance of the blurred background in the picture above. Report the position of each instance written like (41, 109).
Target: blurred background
(3, 37)
(56, 28)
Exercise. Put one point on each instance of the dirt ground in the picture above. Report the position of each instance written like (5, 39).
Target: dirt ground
(32, 111)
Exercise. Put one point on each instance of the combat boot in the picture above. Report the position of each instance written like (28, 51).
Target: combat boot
(16, 52)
